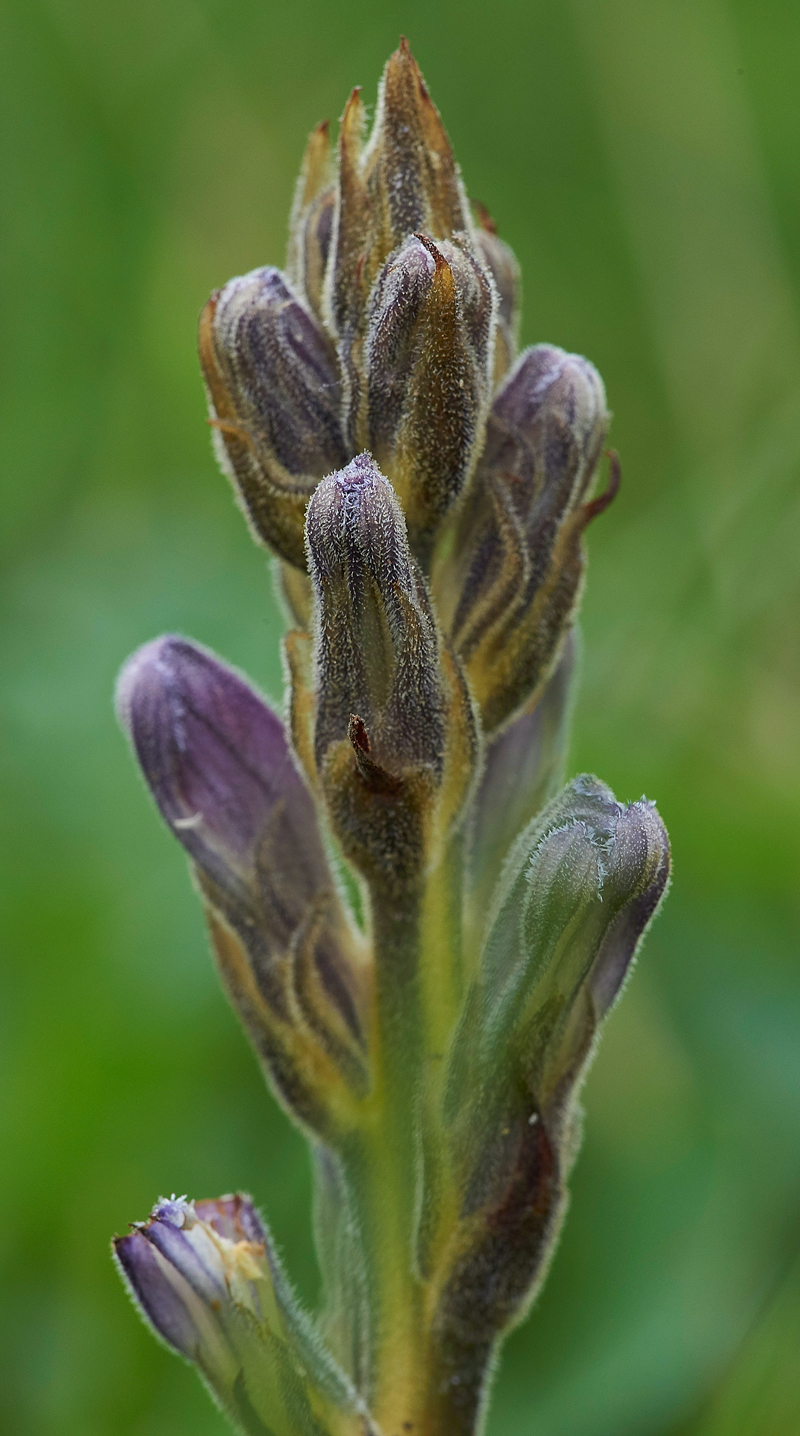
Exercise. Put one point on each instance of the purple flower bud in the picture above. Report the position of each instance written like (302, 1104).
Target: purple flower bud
(546, 429)
(220, 769)
(514, 581)
(395, 733)
(216, 759)
(428, 356)
(377, 647)
(274, 398)
(206, 1277)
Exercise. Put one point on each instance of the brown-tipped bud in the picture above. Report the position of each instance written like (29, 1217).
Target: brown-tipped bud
(428, 354)
(377, 647)
(404, 180)
(411, 175)
(510, 591)
(274, 400)
(502, 264)
(395, 736)
(311, 221)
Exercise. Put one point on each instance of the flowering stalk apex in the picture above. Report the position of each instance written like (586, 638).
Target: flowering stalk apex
(421, 931)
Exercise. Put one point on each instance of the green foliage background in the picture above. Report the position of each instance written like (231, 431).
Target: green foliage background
(642, 158)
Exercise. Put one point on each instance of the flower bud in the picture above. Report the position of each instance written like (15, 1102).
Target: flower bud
(377, 653)
(501, 262)
(588, 866)
(274, 400)
(219, 767)
(579, 889)
(409, 168)
(395, 736)
(510, 589)
(428, 354)
(404, 180)
(207, 1278)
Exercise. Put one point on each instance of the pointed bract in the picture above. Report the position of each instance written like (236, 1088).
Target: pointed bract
(410, 172)
(403, 180)
(311, 221)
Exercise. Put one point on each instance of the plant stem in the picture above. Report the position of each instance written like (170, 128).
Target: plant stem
(417, 942)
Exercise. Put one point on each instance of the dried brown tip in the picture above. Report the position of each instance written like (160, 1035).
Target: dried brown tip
(376, 778)
(357, 733)
(352, 114)
(483, 216)
(436, 254)
(316, 161)
(598, 506)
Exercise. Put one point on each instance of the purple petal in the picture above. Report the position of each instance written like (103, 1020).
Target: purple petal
(183, 1251)
(218, 764)
(155, 1294)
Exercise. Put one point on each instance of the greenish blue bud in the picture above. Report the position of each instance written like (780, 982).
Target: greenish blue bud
(578, 892)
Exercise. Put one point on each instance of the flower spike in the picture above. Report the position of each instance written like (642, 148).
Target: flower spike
(421, 931)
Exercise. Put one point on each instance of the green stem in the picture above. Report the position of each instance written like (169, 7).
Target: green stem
(417, 945)
(381, 1164)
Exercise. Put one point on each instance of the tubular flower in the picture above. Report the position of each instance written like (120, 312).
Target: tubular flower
(421, 935)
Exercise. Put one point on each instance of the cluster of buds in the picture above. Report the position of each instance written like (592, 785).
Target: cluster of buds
(420, 934)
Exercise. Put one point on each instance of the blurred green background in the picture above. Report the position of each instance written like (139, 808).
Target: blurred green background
(642, 158)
